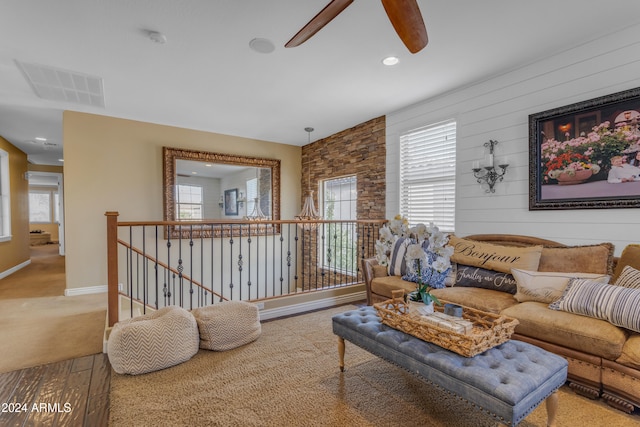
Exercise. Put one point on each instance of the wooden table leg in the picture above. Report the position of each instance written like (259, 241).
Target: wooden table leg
(552, 409)
(341, 353)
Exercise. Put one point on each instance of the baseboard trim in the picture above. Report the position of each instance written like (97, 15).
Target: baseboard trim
(89, 290)
(14, 269)
(311, 305)
(85, 291)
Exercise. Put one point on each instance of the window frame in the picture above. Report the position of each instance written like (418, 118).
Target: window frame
(436, 173)
(322, 244)
(190, 204)
(50, 208)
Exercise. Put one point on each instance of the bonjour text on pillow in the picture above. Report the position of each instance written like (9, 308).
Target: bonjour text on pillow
(494, 257)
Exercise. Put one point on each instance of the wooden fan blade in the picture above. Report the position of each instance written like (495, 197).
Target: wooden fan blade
(323, 17)
(407, 20)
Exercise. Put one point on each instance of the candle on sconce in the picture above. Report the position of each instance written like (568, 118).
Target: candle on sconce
(488, 160)
(476, 164)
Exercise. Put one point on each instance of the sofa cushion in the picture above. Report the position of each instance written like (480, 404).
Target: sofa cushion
(481, 299)
(384, 285)
(629, 278)
(631, 352)
(616, 304)
(586, 334)
(476, 277)
(630, 256)
(586, 259)
(547, 286)
(494, 257)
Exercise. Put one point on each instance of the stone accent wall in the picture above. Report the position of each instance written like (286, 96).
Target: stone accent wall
(359, 150)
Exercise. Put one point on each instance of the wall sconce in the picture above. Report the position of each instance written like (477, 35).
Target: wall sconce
(489, 174)
(221, 202)
(241, 200)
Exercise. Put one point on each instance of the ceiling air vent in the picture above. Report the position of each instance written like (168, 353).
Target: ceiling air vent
(62, 85)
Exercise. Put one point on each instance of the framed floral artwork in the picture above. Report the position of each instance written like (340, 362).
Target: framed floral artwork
(586, 155)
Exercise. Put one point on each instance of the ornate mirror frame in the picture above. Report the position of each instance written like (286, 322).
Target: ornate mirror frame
(169, 157)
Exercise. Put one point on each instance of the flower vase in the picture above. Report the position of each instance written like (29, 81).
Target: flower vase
(578, 177)
(421, 309)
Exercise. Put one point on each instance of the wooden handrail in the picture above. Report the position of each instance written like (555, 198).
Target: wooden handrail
(241, 221)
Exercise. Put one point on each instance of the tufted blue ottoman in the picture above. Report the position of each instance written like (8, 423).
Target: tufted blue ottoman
(508, 381)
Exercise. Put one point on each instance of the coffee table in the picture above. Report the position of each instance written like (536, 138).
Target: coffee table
(508, 381)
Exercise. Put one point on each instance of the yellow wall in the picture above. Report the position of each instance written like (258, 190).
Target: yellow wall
(116, 165)
(16, 251)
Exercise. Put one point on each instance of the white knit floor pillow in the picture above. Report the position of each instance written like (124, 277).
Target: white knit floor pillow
(228, 324)
(155, 341)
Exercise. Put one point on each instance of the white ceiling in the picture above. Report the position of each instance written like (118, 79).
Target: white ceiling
(206, 77)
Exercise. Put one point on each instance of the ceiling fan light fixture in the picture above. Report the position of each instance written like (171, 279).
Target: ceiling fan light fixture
(390, 60)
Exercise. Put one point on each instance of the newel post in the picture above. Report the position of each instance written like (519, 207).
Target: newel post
(112, 266)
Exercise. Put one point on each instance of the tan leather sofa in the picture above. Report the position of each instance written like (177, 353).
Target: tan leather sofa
(604, 359)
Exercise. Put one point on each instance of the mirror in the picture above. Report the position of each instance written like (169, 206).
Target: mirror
(200, 185)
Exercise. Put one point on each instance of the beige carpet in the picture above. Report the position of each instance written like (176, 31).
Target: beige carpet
(290, 377)
(38, 325)
(37, 331)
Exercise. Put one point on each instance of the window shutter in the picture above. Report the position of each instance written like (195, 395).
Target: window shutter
(428, 175)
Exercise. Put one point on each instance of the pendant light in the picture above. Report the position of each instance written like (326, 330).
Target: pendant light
(309, 212)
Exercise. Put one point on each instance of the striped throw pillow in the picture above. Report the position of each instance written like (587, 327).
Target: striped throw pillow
(629, 278)
(397, 263)
(618, 305)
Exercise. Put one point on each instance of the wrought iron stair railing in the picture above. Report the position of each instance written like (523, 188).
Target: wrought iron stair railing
(194, 264)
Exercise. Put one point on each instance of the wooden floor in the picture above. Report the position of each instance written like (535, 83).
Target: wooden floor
(64, 394)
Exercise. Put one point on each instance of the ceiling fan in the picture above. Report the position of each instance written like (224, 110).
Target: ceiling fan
(404, 16)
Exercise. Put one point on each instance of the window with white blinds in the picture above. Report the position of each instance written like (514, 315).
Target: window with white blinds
(252, 194)
(428, 175)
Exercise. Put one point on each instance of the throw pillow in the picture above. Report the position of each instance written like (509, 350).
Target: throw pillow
(494, 257)
(630, 256)
(547, 286)
(397, 263)
(587, 297)
(475, 277)
(629, 278)
(618, 305)
(596, 259)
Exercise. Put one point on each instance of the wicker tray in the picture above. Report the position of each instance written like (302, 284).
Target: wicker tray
(489, 330)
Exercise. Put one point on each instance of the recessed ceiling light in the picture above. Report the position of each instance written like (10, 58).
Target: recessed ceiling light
(390, 60)
(39, 138)
(262, 45)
